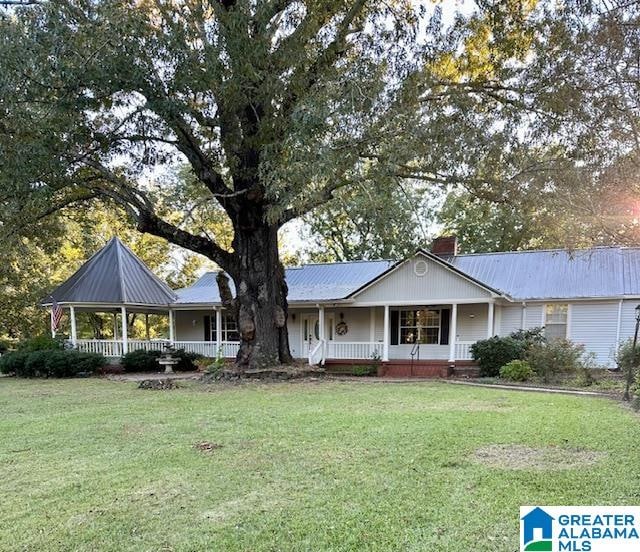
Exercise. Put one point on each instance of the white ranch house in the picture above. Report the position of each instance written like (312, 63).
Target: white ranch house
(420, 316)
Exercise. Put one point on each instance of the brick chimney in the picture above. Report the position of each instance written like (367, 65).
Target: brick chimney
(445, 246)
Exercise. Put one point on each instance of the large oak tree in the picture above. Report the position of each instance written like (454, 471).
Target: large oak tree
(274, 104)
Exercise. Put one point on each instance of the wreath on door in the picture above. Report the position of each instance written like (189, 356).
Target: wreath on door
(342, 328)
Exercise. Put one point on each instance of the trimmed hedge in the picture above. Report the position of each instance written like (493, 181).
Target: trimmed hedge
(57, 363)
(147, 361)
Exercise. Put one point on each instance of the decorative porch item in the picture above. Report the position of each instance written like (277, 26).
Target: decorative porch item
(341, 327)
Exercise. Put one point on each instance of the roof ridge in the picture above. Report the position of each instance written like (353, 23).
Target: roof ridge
(165, 287)
(123, 293)
(551, 250)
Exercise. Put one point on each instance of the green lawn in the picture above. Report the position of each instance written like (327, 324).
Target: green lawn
(99, 465)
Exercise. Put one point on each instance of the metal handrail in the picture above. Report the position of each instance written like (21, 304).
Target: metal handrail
(415, 350)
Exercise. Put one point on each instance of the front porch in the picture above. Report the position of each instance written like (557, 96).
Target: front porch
(414, 334)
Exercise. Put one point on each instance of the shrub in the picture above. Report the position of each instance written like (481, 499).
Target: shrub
(493, 353)
(626, 358)
(35, 364)
(64, 364)
(50, 363)
(141, 361)
(13, 363)
(41, 343)
(187, 361)
(364, 370)
(516, 370)
(559, 356)
(147, 361)
(3, 347)
(529, 337)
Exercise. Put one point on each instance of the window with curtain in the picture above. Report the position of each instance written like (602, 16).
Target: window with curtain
(420, 326)
(555, 320)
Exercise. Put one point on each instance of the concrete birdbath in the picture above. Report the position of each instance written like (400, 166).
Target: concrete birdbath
(168, 360)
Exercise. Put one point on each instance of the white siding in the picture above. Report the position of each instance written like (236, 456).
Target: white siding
(190, 324)
(511, 319)
(438, 284)
(628, 319)
(594, 324)
(534, 317)
(472, 322)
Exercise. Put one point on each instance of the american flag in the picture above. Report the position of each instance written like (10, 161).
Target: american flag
(56, 314)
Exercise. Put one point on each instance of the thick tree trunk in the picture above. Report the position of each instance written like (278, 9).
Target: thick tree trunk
(260, 302)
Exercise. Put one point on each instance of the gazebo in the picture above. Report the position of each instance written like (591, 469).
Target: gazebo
(114, 280)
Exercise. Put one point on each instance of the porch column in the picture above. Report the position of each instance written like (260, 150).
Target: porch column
(115, 326)
(523, 323)
(385, 342)
(146, 327)
(372, 324)
(321, 332)
(490, 321)
(453, 332)
(218, 327)
(125, 341)
(172, 330)
(74, 331)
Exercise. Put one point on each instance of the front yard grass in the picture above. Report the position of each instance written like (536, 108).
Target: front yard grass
(100, 465)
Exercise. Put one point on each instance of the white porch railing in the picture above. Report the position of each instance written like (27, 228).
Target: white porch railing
(463, 350)
(353, 349)
(106, 347)
(114, 348)
(209, 348)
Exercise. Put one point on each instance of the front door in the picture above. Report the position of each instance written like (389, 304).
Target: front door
(310, 333)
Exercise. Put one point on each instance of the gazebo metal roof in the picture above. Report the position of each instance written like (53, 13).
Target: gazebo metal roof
(113, 276)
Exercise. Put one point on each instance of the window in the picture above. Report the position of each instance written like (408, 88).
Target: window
(555, 321)
(420, 326)
(229, 328)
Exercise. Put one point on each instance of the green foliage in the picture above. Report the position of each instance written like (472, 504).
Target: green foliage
(50, 363)
(13, 363)
(361, 370)
(493, 353)
(530, 336)
(187, 361)
(141, 361)
(216, 365)
(558, 357)
(391, 223)
(41, 343)
(627, 358)
(147, 361)
(516, 370)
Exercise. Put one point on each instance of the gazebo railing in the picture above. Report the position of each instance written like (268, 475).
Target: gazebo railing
(114, 347)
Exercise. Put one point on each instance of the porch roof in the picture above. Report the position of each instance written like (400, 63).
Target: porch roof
(113, 276)
(307, 283)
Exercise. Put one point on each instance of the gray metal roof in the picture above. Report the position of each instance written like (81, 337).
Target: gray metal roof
(114, 275)
(312, 282)
(555, 274)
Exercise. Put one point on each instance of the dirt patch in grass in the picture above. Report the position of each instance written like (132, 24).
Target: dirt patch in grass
(206, 446)
(521, 457)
